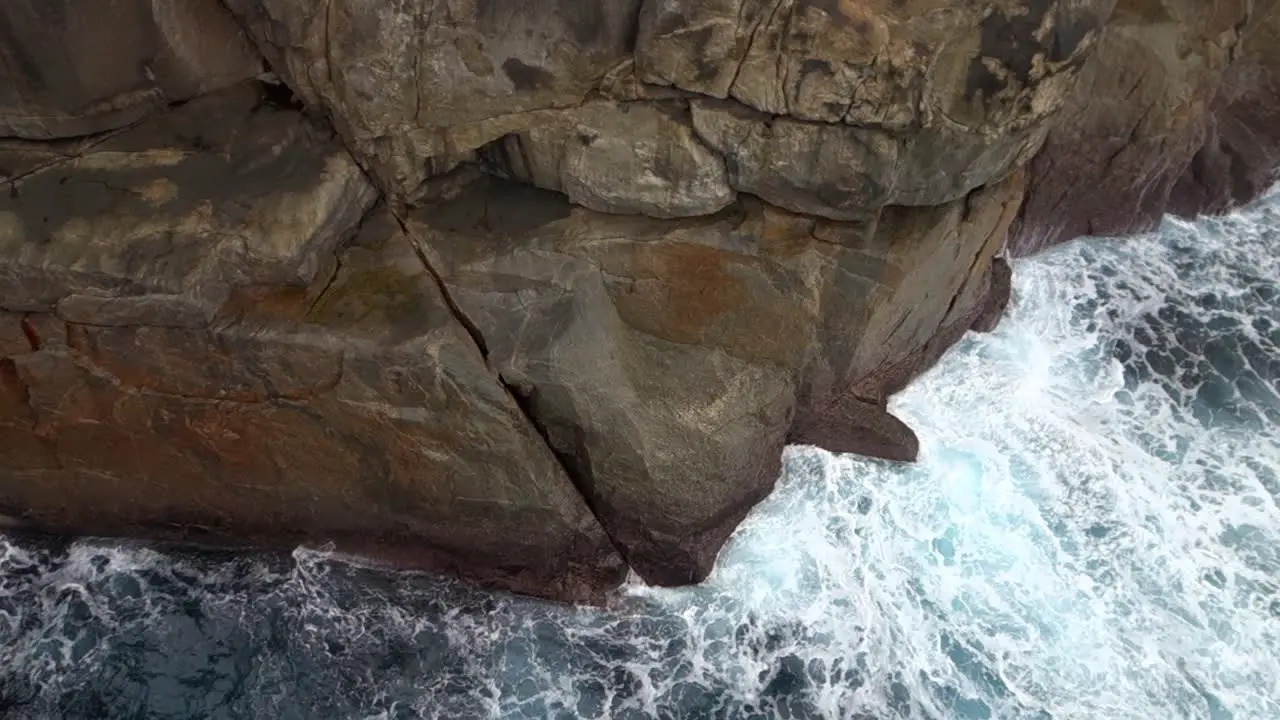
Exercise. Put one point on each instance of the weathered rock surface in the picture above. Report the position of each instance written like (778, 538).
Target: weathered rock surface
(1176, 93)
(667, 363)
(824, 107)
(626, 250)
(1238, 159)
(625, 158)
(412, 80)
(186, 351)
(71, 67)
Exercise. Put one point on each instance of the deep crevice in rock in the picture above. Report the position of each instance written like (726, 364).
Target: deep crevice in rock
(29, 331)
(472, 330)
(279, 95)
(526, 400)
(523, 400)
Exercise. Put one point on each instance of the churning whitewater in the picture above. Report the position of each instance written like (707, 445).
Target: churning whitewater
(1093, 531)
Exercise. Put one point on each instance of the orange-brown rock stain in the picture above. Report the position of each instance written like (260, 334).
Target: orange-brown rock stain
(696, 295)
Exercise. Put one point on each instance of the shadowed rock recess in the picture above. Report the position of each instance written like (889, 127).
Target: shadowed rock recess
(537, 292)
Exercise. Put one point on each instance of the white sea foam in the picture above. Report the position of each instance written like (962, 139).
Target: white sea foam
(1077, 539)
(1093, 531)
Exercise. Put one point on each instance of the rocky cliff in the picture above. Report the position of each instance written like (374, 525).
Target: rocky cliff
(536, 292)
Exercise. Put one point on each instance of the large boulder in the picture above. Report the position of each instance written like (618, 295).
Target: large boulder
(207, 335)
(667, 363)
(78, 67)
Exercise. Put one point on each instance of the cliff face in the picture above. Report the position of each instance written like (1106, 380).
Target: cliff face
(1175, 111)
(537, 292)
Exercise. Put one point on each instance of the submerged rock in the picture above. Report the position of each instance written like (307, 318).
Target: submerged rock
(607, 260)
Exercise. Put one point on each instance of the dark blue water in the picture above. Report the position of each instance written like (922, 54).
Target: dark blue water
(1093, 532)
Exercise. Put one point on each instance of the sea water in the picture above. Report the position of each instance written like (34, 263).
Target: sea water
(1092, 531)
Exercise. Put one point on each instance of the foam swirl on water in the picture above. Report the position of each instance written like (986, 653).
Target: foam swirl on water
(1093, 531)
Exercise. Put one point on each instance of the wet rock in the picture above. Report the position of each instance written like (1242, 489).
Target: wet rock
(77, 67)
(999, 292)
(192, 348)
(853, 425)
(1241, 150)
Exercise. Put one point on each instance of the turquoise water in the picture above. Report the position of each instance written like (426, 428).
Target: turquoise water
(1093, 531)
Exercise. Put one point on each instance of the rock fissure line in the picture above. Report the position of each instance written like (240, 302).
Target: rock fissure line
(581, 483)
(521, 400)
(29, 331)
(474, 332)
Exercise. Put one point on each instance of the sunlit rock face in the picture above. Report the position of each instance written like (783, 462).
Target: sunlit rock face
(537, 292)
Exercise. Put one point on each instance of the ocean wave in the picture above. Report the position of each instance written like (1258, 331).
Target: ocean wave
(1093, 531)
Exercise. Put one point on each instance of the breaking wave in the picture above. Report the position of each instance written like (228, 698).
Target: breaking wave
(1093, 531)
